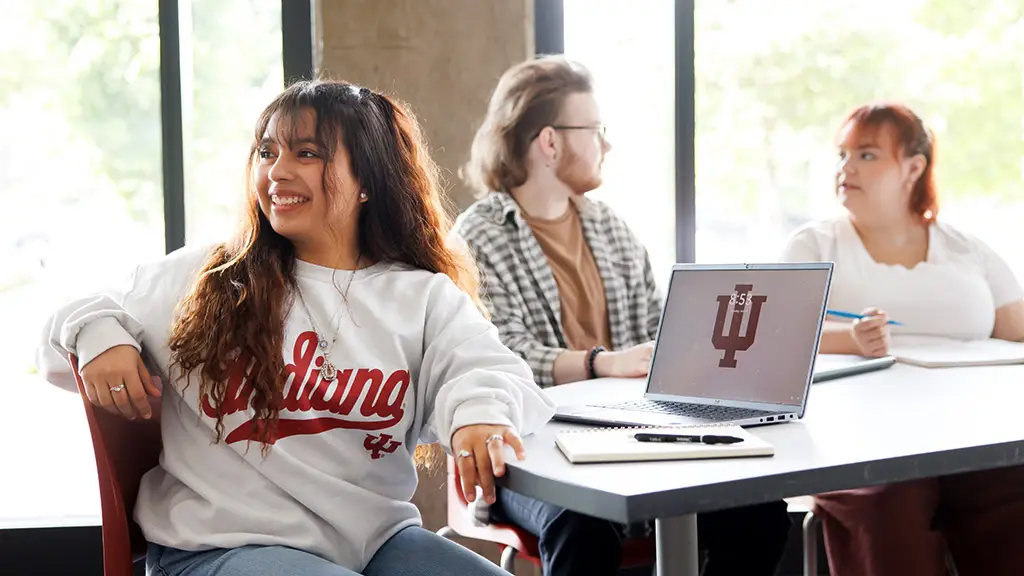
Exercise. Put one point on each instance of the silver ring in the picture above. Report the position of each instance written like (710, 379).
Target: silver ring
(493, 437)
(117, 388)
(464, 454)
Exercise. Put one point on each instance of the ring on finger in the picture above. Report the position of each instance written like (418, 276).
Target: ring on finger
(464, 454)
(494, 437)
(117, 388)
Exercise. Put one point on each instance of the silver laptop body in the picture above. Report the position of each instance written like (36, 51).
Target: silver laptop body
(736, 345)
(832, 366)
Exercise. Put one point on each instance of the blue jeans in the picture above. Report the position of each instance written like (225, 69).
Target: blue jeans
(412, 552)
(748, 541)
(570, 544)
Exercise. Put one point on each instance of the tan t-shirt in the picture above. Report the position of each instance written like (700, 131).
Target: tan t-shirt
(580, 289)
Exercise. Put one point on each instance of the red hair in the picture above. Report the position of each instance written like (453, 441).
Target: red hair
(910, 137)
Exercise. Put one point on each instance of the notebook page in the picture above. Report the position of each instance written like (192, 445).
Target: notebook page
(935, 352)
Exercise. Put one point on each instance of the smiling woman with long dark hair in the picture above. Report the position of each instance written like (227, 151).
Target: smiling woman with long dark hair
(335, 331)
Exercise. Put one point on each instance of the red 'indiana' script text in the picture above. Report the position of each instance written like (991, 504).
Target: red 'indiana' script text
(379, 397)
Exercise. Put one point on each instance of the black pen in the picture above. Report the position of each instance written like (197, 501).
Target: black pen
(696, 439)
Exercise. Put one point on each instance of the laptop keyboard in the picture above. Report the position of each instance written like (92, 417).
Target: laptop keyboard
(702, 411)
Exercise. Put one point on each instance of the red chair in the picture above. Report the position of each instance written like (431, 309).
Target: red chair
(125, 450)
(512, 540)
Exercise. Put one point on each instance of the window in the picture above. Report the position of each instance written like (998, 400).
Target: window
(631, 55)
(80, 182)
(236, 70)
(80, 168)
(81, 179)
(774, 80)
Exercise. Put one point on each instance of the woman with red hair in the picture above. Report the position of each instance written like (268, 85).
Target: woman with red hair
(892, 253)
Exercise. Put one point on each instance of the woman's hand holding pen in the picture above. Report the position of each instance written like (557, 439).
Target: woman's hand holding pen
(871, 333)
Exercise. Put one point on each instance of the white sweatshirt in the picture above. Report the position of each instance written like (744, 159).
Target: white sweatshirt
(416, 361)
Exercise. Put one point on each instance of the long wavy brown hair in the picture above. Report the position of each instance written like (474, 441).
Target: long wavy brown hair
(241, 297)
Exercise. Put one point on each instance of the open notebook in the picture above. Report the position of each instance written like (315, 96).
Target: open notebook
(934, 352)
(592, 445)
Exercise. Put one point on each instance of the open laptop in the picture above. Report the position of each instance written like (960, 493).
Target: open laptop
(736, 345)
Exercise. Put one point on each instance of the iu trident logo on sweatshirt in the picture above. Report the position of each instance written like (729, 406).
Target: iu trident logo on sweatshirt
(358, 399)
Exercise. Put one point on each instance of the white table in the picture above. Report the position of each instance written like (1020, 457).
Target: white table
(899, 424)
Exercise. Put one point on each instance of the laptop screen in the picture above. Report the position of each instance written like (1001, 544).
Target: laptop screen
(739, 333)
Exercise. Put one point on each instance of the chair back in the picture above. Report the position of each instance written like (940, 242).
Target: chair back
(125, 450)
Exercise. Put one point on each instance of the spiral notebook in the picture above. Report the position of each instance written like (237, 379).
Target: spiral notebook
(593, 445)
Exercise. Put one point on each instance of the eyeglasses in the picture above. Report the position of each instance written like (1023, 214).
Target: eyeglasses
(600, 128)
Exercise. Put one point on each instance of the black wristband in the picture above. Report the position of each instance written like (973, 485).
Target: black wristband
(591, 373)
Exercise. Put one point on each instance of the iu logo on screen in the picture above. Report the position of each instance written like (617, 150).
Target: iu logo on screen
(734, 338)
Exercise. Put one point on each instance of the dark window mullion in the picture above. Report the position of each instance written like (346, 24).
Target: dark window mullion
(171, 125)
(686, 87)
(297, 40)
(548, 27)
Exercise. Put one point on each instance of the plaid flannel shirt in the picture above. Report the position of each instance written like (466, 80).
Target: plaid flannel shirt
(519, 288)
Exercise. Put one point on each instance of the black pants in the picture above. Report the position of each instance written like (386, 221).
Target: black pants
(747, 541)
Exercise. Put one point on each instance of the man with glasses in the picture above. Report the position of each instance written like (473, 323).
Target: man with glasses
(571, 290)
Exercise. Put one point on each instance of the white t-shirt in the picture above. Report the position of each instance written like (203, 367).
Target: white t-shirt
(415, 362)
(954, 293)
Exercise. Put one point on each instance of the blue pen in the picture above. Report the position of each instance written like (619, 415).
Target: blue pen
(851, 315)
